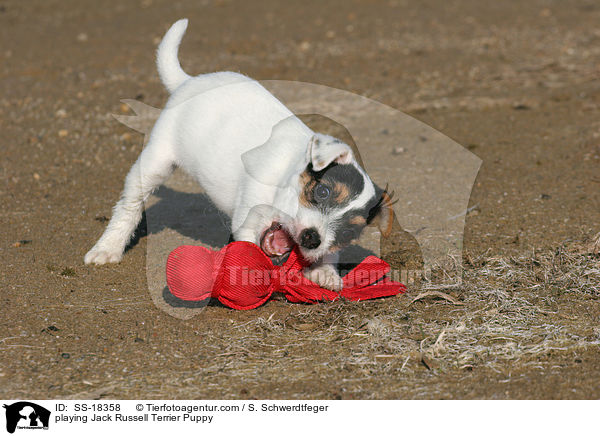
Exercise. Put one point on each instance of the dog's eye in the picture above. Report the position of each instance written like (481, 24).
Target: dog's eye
(347, 236)
(321, 192)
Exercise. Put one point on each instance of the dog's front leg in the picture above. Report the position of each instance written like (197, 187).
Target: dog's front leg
(324, 272)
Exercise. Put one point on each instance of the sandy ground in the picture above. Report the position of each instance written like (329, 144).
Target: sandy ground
(516, 84)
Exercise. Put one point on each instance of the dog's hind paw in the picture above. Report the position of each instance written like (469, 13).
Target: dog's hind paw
(99, 256)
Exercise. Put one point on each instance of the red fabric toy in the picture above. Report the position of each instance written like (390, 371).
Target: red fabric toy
(242, 277)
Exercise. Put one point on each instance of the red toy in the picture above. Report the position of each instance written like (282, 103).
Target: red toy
(242, 277)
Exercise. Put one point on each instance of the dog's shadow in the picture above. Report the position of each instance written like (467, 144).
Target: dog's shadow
(192, 215)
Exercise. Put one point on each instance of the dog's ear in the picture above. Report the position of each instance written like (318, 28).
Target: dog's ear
(383, 212)
(324, 149)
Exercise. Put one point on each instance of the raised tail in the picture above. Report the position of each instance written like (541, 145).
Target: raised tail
(170, 71)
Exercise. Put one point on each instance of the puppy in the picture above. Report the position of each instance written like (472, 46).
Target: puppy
(281, 183)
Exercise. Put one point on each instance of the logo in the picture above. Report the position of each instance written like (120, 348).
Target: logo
(26, 415)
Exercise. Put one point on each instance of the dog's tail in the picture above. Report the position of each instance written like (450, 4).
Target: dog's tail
(170, 71)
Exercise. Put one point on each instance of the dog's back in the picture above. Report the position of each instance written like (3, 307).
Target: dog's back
(226, 114)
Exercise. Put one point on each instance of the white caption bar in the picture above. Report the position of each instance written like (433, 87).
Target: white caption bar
(74, 417)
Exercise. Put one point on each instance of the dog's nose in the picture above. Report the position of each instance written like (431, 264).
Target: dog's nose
(309, 238)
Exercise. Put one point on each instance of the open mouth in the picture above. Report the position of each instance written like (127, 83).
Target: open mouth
(276, 241)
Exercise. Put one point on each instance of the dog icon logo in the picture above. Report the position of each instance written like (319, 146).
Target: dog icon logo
(26, 415)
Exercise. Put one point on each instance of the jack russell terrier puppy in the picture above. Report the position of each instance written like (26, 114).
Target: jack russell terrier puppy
(281, 183)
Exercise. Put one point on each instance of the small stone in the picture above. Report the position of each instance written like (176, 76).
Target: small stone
(82, 37)
(62, 133)
(304, 46)
(126, 137)
(124, 108)
(36, 176)
(399, 150)
(519, 105)
(545, 196)
(61, 113)
(21, 243)
(330, 34)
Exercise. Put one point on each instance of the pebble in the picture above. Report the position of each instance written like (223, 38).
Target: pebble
(124, 108)
(82, 37)
(330, 34)
(36, 176)
(61, 113)
(399, 150)
(304, 46)
(62, 133)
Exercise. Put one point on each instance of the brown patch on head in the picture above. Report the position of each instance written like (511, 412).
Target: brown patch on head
(307, 184)
(342, 192)
(334, 248)
(305, 178)
(358, 220)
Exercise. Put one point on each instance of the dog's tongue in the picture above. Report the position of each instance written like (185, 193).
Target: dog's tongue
(282, 242)
(276, 241)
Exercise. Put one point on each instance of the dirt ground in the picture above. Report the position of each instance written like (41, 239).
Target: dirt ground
(516, 83)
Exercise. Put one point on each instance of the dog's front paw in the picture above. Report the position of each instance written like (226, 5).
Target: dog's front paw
(326, 276)
(100, 256)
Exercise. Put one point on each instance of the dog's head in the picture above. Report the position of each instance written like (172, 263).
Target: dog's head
(336, 200)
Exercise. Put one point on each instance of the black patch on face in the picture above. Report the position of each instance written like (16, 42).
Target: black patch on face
(353, 222)
(347, 231)
(332, 187)
(373, 207)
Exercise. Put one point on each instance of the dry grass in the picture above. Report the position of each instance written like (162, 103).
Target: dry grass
(514, 309)
(517, 319)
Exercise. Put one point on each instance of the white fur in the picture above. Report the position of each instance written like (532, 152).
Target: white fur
(243, 146)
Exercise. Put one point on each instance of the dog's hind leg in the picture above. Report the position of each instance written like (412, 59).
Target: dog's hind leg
(154, 165)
